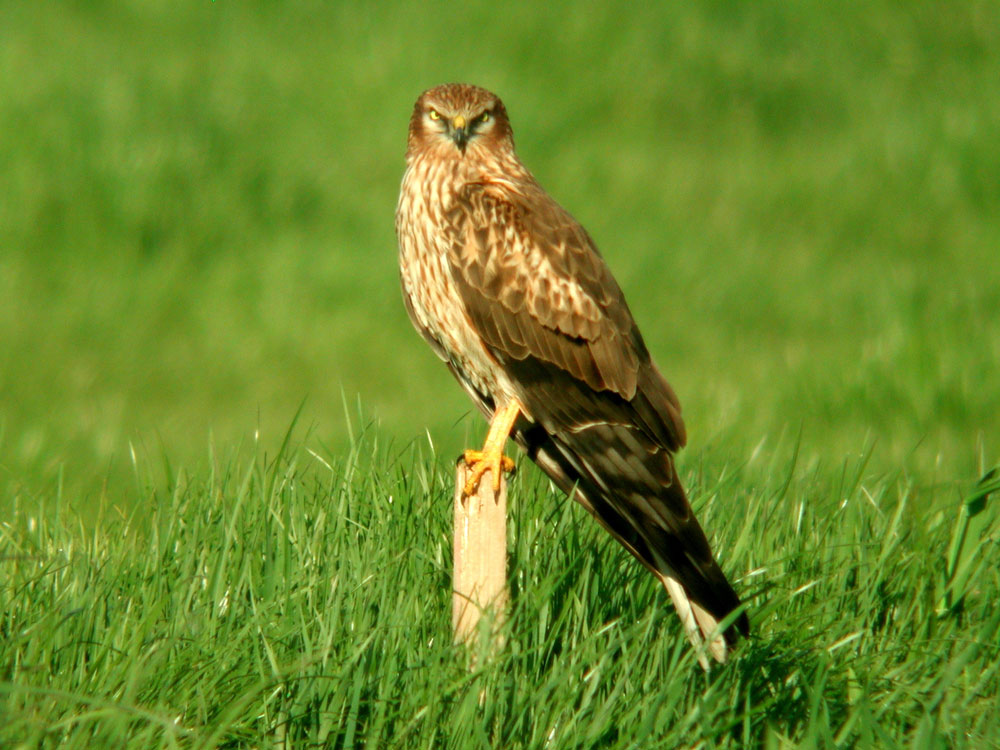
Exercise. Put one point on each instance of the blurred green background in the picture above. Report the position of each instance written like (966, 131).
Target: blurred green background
(800, 200)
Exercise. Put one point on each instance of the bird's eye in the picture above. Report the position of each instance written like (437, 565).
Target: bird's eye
(433, 114)
(484, 117)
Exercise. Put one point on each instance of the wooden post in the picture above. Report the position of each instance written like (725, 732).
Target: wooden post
(480, 553)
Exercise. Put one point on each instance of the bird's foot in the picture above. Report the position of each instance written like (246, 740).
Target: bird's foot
(479, 462)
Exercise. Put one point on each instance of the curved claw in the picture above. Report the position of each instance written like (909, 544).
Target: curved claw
(482, 461)
(491, 457)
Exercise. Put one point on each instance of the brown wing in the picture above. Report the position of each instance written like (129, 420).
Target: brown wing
(535, 286)
(549, 311)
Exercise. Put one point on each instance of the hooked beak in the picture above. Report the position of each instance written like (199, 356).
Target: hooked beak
(459, 133)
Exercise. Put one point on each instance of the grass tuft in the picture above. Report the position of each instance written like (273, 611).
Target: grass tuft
(304, 598)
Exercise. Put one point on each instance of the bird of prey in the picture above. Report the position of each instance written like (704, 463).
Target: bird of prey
(511, 292)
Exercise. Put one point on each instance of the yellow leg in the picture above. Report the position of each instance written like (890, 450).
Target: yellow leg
(491, 457)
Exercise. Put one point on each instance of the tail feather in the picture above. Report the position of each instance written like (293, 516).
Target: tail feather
(717, 645)
(700, 593)
(701, 626)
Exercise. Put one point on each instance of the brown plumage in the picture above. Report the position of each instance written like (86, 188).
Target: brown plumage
(512, 294)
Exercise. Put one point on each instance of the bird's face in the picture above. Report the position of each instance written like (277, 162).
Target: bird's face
(458, 120)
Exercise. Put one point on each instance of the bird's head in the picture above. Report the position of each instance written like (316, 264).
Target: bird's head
(457, 118)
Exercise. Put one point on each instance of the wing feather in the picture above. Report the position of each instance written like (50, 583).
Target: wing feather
(548, 310)
(535, 287)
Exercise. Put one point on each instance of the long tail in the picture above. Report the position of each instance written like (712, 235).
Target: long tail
(654, 523)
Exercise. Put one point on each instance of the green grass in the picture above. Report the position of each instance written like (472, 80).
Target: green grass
(305, 599)
(802, 204)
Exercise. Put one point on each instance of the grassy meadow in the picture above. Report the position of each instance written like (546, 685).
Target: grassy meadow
(225, 457)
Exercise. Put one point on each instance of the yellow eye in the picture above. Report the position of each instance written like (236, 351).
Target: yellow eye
(484, 117)
(433, 114)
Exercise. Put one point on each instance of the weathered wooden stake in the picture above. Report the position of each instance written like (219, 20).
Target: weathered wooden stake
(480, 547)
